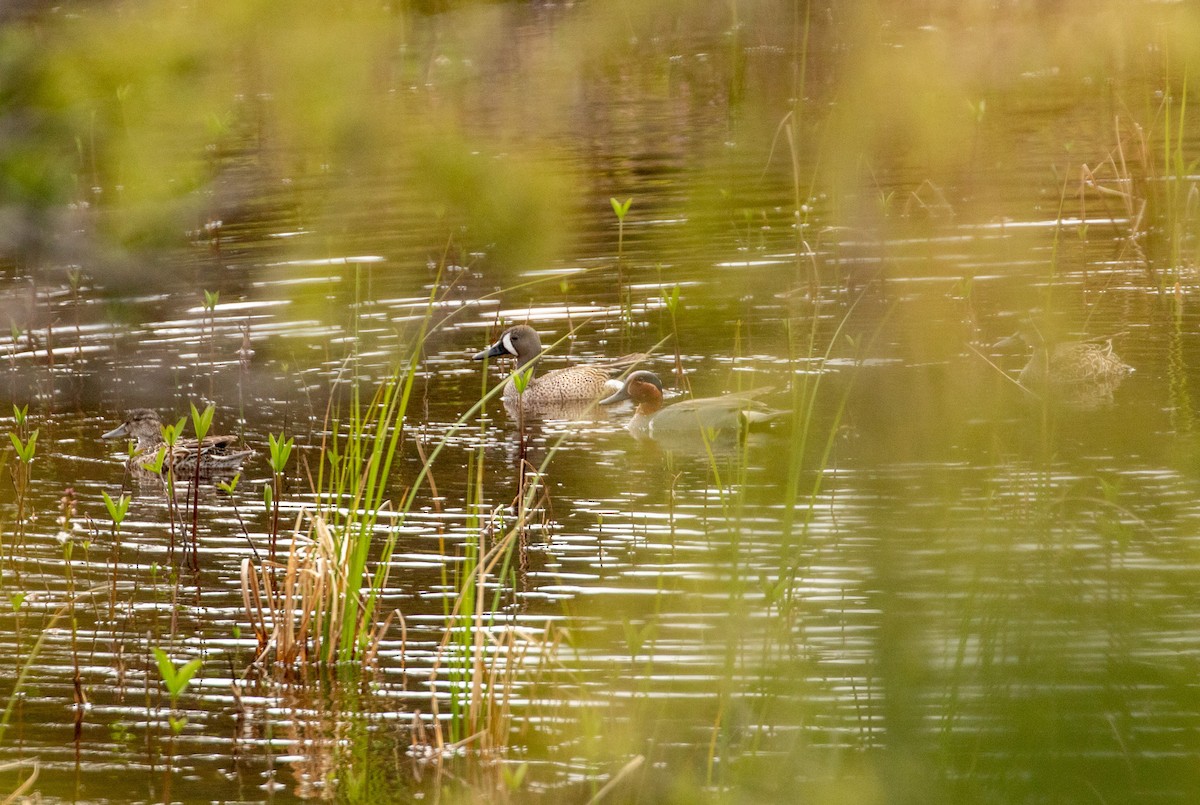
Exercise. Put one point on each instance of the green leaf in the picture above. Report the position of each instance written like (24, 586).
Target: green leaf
(171, 433)
(201, 422)
(280, 450)
(26, 449)
(120, 732)
(166, 669)
(671, 298)
(513, 777)
(176, 679)
(619, 208)
(116, 508)
(184, 676)
(521, 378)
(155, 464)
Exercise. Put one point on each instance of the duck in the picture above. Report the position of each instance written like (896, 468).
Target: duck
(706, 414)
(216, 455)
(571, 384)
(1067, 363)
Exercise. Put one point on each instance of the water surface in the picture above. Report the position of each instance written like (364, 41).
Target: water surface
(929, 585)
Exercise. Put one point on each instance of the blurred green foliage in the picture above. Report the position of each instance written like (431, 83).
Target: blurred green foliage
(159, 115)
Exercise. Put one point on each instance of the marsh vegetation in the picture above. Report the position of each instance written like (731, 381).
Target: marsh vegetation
(928, 579)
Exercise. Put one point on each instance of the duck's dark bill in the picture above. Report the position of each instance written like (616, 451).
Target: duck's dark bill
(616, 397)
(118, 432)
(494, 351)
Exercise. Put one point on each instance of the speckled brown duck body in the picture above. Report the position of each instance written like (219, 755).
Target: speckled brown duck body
(1074, 362)
(572, 384)
(1067, 363)
(217, 455)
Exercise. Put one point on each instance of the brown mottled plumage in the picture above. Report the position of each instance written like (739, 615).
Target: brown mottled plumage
(216, 454)
(1067, 363)
(582, 382)
(1074, 362)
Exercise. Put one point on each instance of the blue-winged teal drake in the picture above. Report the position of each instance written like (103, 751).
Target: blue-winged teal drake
(727, 412)
(1067, 363)
(217, 454)
(579, 383)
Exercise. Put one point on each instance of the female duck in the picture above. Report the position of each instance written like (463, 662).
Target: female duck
(579, 383)
(1068, 363)
(729, 411)
(216, 454)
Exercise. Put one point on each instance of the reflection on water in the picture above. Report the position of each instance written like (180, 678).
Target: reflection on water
(929, 582)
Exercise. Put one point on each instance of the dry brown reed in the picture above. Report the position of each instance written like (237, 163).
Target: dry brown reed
(492, 658)
(1114, 179)
(19, 794)
(295, 607)
(1157, 198)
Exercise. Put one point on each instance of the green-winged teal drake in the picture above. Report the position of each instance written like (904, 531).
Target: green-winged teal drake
(652, 418)
(1067, 363)
(578, 383)
(217, 455)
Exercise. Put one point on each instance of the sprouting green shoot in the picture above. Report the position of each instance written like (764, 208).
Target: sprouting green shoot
(268, 498)
(210, 300)
(25, 449)
(201, 422)
(228, 487)
(514, 776)
(621, 209)
(281, 450)
(636, 637)
(19, 414)
(154, 464)
(116, 508)
(172, 432)
(521, 378)
(176, 679)
(671, 300)
(16, 600)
